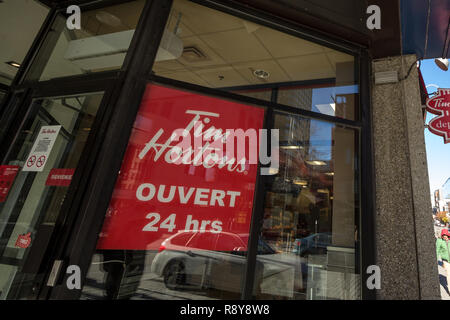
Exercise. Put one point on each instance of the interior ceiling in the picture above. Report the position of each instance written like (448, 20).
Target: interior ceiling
(234, 49)
(265, 48)
(20, 21)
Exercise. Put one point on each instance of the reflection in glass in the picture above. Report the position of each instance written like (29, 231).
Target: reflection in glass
(228, 53)
(100, 45)
(33, 206)
(190, 233)
(311, 210)
(188, 265)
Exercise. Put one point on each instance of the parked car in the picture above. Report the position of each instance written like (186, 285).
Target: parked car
(206, 260)
(316, 243)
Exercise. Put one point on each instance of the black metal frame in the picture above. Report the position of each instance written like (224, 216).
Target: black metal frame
(93, 183)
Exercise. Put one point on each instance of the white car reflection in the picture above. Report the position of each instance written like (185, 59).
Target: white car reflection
(217, 261)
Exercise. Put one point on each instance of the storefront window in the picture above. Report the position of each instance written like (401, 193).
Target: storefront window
(311, 214)
(100, 45)
(177, 230)
(34, 184)
(214, 49)
(178, 222)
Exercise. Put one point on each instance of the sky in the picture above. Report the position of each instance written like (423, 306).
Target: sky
(438, 153)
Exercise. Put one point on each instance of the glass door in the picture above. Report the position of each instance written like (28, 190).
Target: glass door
(34, 181)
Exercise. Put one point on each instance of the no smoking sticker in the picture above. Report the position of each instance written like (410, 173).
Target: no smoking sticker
(42, 147)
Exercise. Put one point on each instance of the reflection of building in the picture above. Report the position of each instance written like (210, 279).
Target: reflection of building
(442, 197)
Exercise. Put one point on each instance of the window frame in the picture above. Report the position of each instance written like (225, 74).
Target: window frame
(121, 104)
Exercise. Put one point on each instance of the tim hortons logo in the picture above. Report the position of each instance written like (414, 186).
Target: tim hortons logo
(440, 106)
(202, 144)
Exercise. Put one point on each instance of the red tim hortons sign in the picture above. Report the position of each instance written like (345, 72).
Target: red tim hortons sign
(163, 190)
(440, 106)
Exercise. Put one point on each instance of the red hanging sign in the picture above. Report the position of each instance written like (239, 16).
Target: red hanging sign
(7, 176)
(163, 188)
(440, 105)
(59, 177)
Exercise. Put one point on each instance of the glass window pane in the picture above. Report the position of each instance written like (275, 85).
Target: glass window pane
(30, 209)
(214, 49)
(311, 214)
(20, 21)
(183, 225)
(100, 45)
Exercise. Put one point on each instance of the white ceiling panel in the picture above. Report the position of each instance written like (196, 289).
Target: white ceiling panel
(168, 65)
(222, 77)
(186, 76)
(283, 45)
(309, 67)
(236, 46)
(200, 19)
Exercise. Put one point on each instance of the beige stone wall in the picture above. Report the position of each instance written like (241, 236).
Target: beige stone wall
(405, 239)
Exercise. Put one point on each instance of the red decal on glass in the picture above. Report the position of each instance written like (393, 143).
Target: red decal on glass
(24, 240)
(7, 176)
(167, 185)
(59, 177)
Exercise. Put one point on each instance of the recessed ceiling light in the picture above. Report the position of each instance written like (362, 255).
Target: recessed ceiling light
(261, 74)
(300, 182)
(13, 64)
(316, 163)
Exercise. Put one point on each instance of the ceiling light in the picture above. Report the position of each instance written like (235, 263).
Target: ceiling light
(442, 63)
(300, 182)
(290, 147)
(316, 163)
(261, 74)
(13, 64)
(329, 173)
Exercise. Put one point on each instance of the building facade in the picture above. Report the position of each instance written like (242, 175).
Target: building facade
(93, 178)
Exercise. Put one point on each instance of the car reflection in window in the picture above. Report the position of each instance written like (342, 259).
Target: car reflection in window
(316, 243)
(217, 261)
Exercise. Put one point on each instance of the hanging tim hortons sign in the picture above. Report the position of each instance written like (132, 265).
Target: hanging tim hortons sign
(440, 106)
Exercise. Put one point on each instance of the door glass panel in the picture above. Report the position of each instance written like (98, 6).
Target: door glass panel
(100, 45)
(178, 230)
(35, 180)
(311, 214)
(214, 49)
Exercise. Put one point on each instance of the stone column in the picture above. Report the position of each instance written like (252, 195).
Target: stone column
(404, 236)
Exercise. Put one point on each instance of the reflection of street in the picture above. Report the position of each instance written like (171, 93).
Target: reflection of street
(150, 286)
